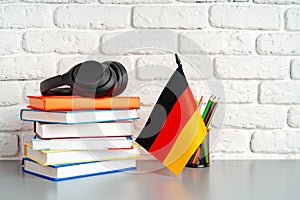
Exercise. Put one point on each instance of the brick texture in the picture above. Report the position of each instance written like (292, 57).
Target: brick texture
(233, 141)
(148, 66)
(60, 42)
(184, 17)
(295, 69)
(11, 42)
(251, 67)
(216, 43)
(29, 16)
(135, 42)
(292, 17)
(11, 121)
(111, 17)
(8, 144)
(27, 67)
(249, 116)
(245, 17)
(12, 97)
(294, 117)
(283, 2)
(282, 92)
(134, 1)
(279, 44)
(278, 141)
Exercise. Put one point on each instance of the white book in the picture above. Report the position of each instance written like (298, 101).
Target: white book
(82, 143)
(69, 171)
(104, 129)
(78, 116)
(48, 157)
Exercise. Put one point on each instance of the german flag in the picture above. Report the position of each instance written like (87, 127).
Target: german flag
(175, 127)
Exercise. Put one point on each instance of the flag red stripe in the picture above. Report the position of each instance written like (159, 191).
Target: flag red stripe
(180, 114)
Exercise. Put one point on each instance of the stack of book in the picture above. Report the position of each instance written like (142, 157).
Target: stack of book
(77, 137)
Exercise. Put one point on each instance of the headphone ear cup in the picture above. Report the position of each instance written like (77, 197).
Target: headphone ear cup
(121, 77)
(93, 79)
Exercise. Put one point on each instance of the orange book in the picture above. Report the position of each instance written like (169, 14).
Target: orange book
(67, 103)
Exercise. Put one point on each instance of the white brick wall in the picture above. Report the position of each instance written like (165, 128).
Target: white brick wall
(134, 1)
(295, 69)
(283, 2)
(251, 117)
(8, 145)
(111, 17)
(60, 42)
(138, 42)
(219, 42)
(26, 67)
(233, 141)
(294, 117)
(147, 67)
(29, 16)
(279, 92)
(292, 17)
(13, 96)
(279, 44)
(245, 17)
(245, 51)
(251, 67)
(10, 119)
(278, 141)
(11, 44)
(239, 91)
(185, 17)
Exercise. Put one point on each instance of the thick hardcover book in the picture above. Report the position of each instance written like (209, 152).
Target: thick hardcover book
(78, 117)
(48, 157)
(82, 143)
(108, 129)
(82, 103)
(71, 171)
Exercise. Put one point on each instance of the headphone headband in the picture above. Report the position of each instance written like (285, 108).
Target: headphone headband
(51, 83)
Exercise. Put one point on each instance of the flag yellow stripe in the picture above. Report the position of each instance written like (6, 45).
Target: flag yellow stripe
(186, 144)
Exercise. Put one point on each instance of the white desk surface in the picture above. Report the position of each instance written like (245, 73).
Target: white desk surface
(224, 180)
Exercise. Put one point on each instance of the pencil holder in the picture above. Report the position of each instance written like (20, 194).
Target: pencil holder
(200, 158)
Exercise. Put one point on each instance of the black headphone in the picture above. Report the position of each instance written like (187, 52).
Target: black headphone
(88, 79)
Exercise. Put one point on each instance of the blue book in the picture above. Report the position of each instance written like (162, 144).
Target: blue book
(77, 116)
(78, 170)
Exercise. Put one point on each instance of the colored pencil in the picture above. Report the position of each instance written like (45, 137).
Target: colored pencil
(209, 111)
(196, 155)
(200, 103)
(207, 107)
(213, 113)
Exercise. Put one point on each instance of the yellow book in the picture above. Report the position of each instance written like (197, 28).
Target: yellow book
(53, 157)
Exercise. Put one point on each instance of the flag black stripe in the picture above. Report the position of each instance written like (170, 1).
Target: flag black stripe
(170, 94)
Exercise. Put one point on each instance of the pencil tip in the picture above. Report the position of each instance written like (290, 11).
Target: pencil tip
(201, 99)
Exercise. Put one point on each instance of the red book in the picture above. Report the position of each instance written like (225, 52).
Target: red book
(68, 103)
